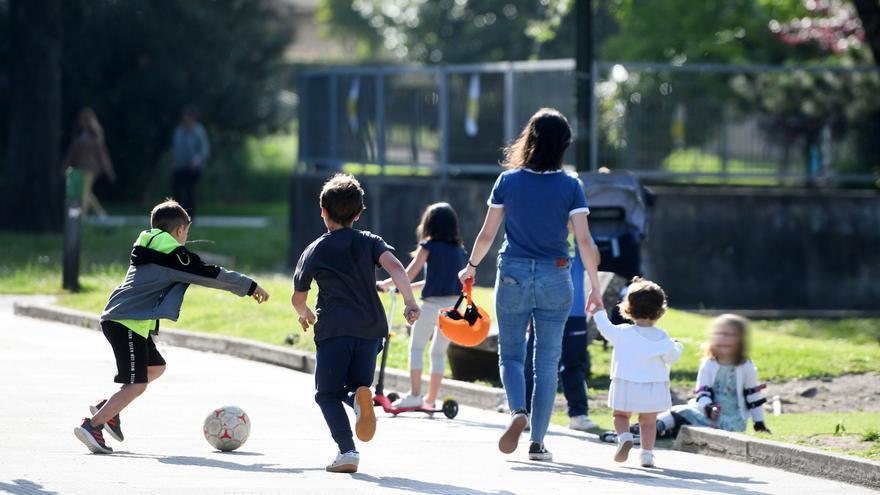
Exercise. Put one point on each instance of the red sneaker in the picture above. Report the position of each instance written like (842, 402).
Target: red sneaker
(92, 437)
(114, 425)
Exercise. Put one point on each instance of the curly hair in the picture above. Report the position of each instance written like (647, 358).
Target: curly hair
(645, 300)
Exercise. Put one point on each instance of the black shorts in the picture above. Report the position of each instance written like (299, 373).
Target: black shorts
(133, 352)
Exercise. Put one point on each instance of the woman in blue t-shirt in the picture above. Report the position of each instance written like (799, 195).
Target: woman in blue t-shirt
(536, 200)
(441, 254)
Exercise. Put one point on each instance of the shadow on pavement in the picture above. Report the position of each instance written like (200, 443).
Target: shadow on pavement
(24, 487)
(657, 477)
(179, 460)
(422, 486)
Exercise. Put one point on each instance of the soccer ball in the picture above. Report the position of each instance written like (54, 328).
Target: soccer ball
(227, 428)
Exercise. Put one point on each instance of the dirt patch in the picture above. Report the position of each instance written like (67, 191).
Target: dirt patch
(845, 443)
(846, 393)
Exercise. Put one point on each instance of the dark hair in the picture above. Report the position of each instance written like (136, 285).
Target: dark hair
(191, 111)
(645, 300)
(343, 198)
(439, 223)
(542, 143)
(738, 323)
(169, 215)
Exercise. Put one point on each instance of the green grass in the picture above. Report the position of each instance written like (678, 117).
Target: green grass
(213, 311)
(695, 161)
(33, 264)
(857, 436)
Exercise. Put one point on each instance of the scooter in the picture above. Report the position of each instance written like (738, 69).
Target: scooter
(450, 406)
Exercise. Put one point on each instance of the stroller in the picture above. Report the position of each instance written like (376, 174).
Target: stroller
(619, 225)
(618, 220)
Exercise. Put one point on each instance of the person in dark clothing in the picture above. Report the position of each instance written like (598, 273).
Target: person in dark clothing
(190, 150)
(350, 320)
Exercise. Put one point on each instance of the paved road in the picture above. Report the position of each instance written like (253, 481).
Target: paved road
(49, 373)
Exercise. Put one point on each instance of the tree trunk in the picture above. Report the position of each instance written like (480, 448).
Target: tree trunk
(32, 192)
(869, 13)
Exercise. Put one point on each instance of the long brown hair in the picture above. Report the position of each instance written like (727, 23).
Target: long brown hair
(738, 323)
(542, 143)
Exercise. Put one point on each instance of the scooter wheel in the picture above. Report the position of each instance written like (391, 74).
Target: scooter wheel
(450, 408)
(393, 397)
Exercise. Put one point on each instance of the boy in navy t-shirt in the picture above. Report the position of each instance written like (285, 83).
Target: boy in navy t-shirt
(350, 321)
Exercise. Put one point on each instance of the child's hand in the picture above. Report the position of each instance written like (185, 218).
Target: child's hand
(713, 412)
(307, 320)
(260, 295)
(411, 312)
(594, 302)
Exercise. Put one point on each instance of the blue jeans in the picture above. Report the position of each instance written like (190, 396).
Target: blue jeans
(342, 365)
(529, 289)
(574, 365)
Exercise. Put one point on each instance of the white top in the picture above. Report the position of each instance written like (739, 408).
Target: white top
(746, 378)
(641, 354)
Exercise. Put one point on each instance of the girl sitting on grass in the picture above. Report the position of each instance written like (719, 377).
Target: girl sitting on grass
(728, 393)
(441, 253)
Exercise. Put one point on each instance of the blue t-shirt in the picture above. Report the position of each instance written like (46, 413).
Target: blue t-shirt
(445, 259)
(577, 280)
(537, 207)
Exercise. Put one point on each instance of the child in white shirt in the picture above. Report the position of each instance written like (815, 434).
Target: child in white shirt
(639, 366)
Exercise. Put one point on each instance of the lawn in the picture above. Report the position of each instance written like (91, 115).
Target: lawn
(856, 433)
(32, 266)
(782, 349)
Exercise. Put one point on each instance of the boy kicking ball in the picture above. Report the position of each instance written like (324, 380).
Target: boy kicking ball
(350, 318)
(161, 269)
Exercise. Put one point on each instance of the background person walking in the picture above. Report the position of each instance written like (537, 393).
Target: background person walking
(190, 150)
(88, 152)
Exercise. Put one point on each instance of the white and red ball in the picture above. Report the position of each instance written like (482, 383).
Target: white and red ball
(227, 428)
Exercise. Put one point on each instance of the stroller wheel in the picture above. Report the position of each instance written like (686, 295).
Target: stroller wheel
(393, 397)
(450, 408)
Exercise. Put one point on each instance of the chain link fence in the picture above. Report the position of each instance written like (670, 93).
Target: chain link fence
(692, 123)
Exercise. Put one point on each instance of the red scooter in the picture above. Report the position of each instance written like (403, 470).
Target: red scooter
(450, 406)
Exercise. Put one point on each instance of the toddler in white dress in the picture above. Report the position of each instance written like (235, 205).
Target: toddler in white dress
(639, 366)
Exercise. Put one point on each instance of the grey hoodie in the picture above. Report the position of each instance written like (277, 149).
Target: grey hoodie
(158, 276)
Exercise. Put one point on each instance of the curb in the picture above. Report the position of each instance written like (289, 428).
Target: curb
(465, 393)
(789, 457)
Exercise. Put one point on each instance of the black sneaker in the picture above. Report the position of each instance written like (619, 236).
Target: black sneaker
(114, 425)
(537, 452)
(92, 437)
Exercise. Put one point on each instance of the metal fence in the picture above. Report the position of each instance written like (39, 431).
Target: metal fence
(696, 123)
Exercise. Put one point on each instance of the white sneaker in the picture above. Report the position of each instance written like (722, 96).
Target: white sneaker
(345, 463)
(582, 423)
(624, 444)
(647, 458)
(409, 401)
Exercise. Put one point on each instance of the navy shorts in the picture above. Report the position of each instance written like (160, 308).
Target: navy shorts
(134, 354)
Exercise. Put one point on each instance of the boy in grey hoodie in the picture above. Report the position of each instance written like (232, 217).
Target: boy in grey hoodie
(161, 270)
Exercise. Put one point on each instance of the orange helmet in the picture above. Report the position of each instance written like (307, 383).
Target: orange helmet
(467, 329)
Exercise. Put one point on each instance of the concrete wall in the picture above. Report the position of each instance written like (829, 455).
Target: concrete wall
(728, 248)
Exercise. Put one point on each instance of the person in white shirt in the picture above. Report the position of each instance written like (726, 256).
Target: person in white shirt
(639, 366)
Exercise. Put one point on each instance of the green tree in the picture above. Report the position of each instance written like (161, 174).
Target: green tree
(30, 197)
(450, 31)
(137, 63)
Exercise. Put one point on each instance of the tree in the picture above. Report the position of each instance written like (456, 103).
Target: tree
(450, 31)
(31, 189)
(139, 62)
